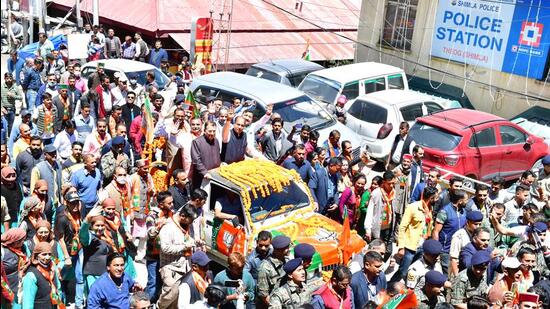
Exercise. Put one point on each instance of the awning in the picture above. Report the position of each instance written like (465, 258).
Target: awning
(252, 47)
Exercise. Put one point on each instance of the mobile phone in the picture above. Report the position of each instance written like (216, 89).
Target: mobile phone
(514, 289)
(231, 283)
(298, 126)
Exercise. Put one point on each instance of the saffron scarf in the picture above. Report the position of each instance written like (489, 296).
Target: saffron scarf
(75, 242)
(49, 274)
(200, 282)
(428, 227)
(113, 226)
(387, 212)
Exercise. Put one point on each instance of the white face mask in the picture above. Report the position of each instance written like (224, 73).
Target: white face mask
(133, 81)
(121, 180)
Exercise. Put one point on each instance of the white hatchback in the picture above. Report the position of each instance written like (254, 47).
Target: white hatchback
(376, 116)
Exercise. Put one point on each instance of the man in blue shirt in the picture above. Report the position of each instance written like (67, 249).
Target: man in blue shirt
(366, 284)
(157, 54)
(32, 83)
(299, 163)
(112, 289)
(234, 272)
(87, 182)
(15, 65)
(263, 250)
(324, 186)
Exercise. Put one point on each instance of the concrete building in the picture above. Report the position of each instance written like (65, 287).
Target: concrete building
(494, 52)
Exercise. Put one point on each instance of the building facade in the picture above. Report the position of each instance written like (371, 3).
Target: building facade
(494, 52)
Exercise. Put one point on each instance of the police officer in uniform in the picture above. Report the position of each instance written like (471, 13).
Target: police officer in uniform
(271, 270)
(471, 281)
(293, 292)
(430, 294)
(429, 261)
(305, 252)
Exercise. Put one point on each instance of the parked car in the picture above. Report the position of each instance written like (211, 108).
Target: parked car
(477, 144)
(376, 116)
(166, 88)
(352, 80)
(535, 120)
(294, 106)
(288, 211)
(290, 72)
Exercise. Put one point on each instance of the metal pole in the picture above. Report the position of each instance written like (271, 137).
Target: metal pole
(78, 16)
(31, 23)
(95, 11)
(11, 43)
(228, 42)
(45, 18)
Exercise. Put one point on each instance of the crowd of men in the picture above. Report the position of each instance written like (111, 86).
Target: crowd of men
(85, 225)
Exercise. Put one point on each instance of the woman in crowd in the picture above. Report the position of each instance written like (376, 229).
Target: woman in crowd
(96, 246)
(44, 234)
(350, 200)
(33, 211)
(362, 210)
(41, 286)
(345, 180)
(13, 259)
(321, 155)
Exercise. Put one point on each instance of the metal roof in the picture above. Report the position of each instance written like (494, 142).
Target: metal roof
(285, 66)
(172, 16)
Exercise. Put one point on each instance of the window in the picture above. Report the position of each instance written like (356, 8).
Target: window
(434, 137)
(510, 135)
(396, 81)
(399, 23)
(374, 85)
(263, 74)
(88, 71)
(411, 112)
(351, 90)
(297, 79)
(368, 112)
(432, 107)
(483, 138)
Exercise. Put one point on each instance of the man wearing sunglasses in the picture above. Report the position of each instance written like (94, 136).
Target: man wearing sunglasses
(471, 281)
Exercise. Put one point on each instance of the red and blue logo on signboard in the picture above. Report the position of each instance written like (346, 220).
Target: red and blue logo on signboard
(530, 34)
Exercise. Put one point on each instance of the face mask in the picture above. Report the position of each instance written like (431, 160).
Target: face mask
(46, 265)
(36, 152)
(133, 81)
(121, 180)
(52, 84)
(77, 73)
(317, 165)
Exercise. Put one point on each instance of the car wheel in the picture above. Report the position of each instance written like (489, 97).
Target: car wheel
(537, 166)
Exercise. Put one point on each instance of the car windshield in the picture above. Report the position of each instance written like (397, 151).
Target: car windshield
(533, 127)
(320, 88)
(292, 197)
(434, 137)
(303, 110)
(161, 79)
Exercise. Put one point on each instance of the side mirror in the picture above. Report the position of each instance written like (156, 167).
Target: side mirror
(530, 140)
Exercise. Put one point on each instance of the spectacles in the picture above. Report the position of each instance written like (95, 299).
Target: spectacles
(130, 97)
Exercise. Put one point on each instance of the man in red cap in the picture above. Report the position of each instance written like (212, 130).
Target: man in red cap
(528, 301)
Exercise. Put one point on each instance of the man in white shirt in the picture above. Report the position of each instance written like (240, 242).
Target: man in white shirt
(119, 93)
(513, 207)
(64, 140)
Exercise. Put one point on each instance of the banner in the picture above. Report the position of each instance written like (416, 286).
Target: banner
(511, 36)
(202, 30)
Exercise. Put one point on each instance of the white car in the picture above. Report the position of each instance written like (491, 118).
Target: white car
(376, 116)
(166, 88)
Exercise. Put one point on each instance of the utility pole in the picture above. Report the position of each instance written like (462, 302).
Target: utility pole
(31, 22)
(95, 11)
(78, 16)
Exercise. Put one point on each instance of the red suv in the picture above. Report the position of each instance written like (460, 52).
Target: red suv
(477, 144)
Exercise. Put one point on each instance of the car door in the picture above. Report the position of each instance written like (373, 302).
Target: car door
(367, 118)
(483, 154)
(409, 113)
(516, 157)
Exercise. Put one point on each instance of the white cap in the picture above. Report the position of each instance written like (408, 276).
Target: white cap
(511, 262)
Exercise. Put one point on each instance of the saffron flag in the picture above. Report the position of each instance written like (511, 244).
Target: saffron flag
(404, 300)
(305, 54)
(343, 242)
(147, 127)
(190, 100)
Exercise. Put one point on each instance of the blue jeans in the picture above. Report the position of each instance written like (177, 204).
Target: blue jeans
(79, 291)
(10, 118)
(31, 100)
(403, 266)
(153, 280)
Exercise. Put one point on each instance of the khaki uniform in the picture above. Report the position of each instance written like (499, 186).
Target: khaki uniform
(417, 271)
(465, 285)
(269, 276)
(424, 302)
(290, 296)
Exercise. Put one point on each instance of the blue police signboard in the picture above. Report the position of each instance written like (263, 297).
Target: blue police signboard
(506, 35)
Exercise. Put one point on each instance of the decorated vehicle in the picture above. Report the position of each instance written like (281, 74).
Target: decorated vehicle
(275, 199)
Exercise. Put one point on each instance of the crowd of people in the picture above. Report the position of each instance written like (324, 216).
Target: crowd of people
(84, 224)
